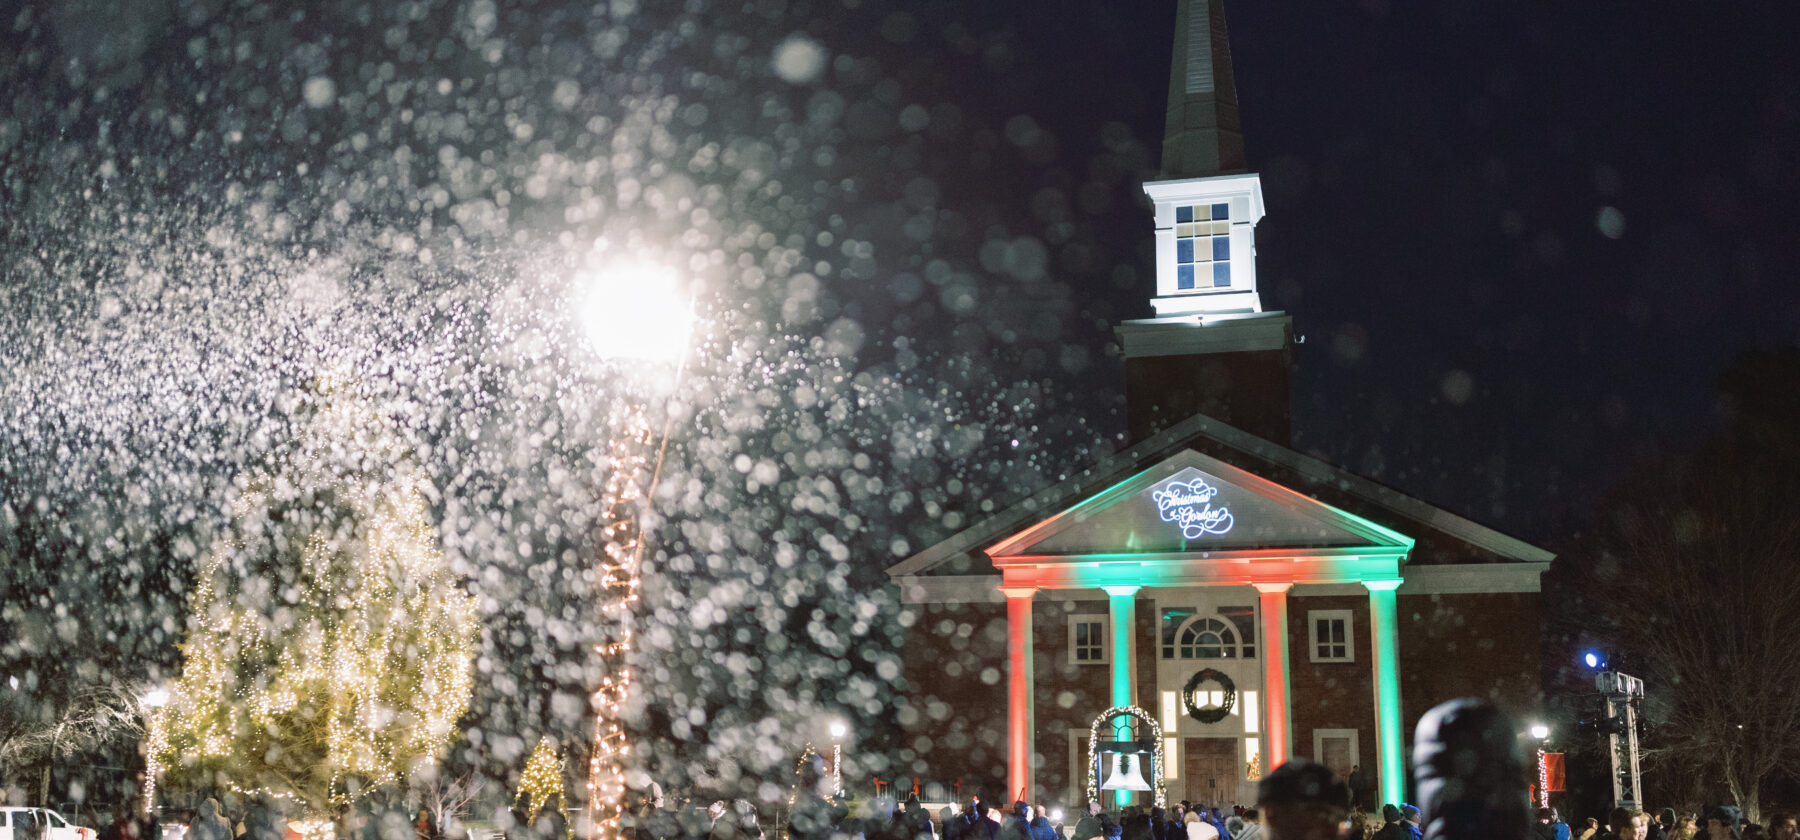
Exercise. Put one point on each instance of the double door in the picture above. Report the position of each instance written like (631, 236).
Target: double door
(1211, 772)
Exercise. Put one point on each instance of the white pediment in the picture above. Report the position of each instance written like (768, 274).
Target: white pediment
(1192, 503)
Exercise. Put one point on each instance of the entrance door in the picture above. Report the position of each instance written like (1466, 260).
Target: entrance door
(1212, 772)
(1336, 749)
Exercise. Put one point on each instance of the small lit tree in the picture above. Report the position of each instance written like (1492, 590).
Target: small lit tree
(543, 776)
(329, 645)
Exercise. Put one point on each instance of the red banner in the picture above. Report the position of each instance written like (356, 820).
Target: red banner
(1553, 766)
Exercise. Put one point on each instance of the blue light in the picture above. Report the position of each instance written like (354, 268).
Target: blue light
(1592, 659)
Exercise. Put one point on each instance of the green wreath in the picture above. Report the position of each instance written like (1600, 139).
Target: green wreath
(1215, 714)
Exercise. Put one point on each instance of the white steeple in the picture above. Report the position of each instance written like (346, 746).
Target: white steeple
(1211, 347)
(1207, 206)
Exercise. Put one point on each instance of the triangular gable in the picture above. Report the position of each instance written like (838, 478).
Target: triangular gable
(1190, 502)
(965, 548)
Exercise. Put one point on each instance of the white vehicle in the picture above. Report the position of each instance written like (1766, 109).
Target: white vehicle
(17, 823)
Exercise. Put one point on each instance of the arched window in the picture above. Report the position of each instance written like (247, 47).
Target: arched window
(1207, 638)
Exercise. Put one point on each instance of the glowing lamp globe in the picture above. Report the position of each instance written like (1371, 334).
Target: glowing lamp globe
(634, 310)
(1592, 659)
(837, 729)
(1540, 732)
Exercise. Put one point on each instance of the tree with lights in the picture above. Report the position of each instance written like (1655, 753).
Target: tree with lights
(543, 778)
(329, 648)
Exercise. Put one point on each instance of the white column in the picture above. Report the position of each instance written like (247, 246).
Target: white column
(1122, 602)
(1020, 683)
(1277, 705)
(1390, 737)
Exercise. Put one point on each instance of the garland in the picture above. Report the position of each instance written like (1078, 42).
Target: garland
(1215, 714)
(1156, 761)
(806, 754)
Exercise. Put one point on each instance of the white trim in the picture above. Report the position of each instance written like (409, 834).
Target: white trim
(1077, 773)
(1313, 617)
(1113, 468)
(1319, 736)
(1473, 578)
(1105, 622)
(950, 589)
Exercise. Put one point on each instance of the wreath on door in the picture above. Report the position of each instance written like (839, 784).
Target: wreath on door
(1210, 714)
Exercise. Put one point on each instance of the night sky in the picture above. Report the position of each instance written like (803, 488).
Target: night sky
(1476, 333)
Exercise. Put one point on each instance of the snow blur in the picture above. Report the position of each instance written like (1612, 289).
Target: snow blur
(207, 204)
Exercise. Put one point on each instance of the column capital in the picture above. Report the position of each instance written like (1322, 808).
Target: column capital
(1121, 591)
(1382, 585)
(1018, 591)
(1273, 588)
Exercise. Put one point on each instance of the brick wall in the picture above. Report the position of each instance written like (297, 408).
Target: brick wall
(1332, 695)
(954, 723)
(1068, 696)
(1479, 645)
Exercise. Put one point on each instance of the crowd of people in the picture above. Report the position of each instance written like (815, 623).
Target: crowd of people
(1298, 801)
(1718, 822)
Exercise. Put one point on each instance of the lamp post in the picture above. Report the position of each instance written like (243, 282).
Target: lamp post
(1541, 734)
(837, 756)
(152, 701)
(636, 319)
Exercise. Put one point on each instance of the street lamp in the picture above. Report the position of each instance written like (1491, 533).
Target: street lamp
(838, 729)
(633, 309)
(635, 316)
(1541, 733)
(152, 701)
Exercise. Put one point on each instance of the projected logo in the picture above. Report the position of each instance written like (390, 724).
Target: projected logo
(1189, 504)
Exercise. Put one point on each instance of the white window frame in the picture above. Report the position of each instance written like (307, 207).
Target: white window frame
(1104, 621)
(1313, 617)
(1078, 744)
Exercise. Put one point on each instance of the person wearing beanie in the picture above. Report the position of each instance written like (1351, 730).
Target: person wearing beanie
(1303, 801)
(1467, 765)
(1088, 827)
(1018, 826)
(1391, 828)
(1409, 820)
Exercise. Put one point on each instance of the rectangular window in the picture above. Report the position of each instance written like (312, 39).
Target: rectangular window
(1170, 708)
(1087, 640)
(1202, 236)
(1169, 762)
(1252, 722)
(1252, 752)
(1329, 636)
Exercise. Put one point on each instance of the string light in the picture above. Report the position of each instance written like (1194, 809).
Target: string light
(1157, 759)
(618, 574)
(356, 660)
(543, 777)
(807, 754)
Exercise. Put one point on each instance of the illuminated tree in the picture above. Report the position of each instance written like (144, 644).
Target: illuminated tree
(543, 776)
(329, 646)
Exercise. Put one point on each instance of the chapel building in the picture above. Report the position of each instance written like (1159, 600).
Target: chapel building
(1256, 603)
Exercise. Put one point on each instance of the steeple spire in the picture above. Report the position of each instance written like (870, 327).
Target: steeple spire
(1211, 348)
(1204, 136)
